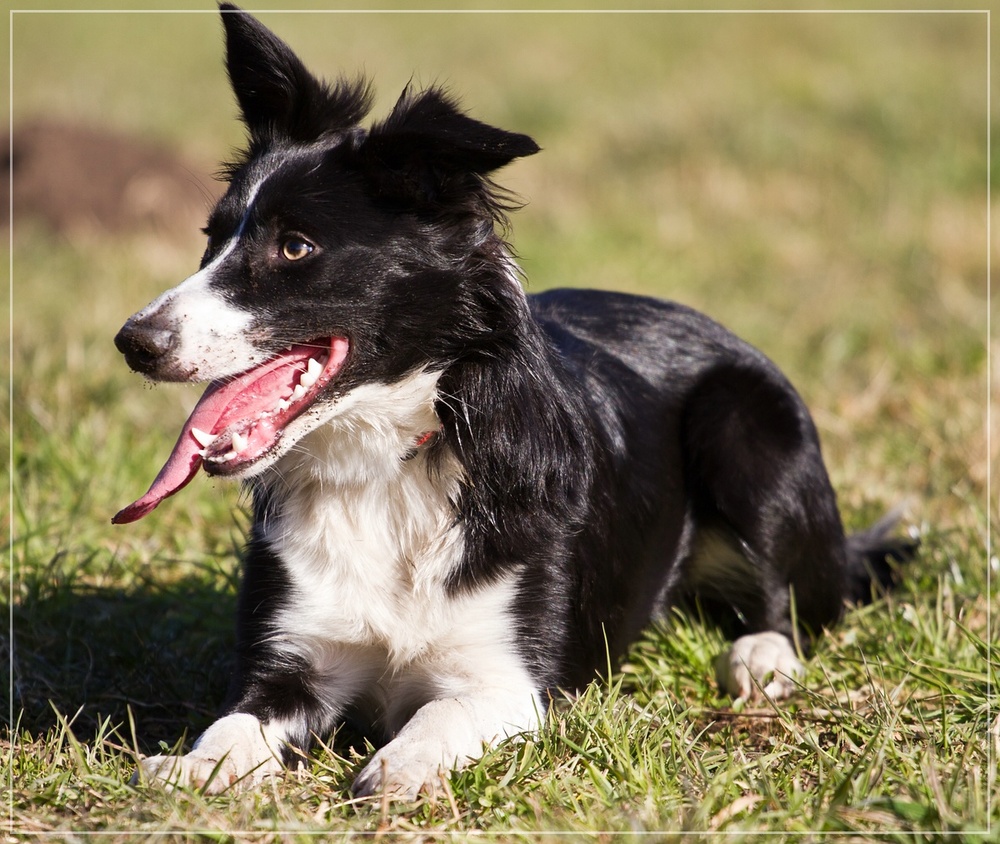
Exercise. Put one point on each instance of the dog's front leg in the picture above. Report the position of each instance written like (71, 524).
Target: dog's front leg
(237, 751)
(272, 719)
(273, 722)
(445, 735)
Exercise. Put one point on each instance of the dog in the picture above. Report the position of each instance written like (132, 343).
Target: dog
(464, 498)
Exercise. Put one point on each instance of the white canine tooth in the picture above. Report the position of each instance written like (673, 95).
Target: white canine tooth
(298, 392)
(204, 439)
(312, 373)
(239, 442)
(282, 404)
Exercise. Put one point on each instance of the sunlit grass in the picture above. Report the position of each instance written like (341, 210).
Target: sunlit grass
(817, 183)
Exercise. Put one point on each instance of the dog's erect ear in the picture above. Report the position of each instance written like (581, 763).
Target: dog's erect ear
(427, 145)
(277, 95)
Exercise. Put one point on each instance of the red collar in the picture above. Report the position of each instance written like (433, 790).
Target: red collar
(420, 442)
(425, 438)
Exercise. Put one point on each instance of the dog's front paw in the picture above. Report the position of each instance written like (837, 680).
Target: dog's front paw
(442, 736)
(402, 770)
(190, 771)
(237, 751)
(759, 665)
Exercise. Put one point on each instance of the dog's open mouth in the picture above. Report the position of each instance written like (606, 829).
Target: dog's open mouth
(239, 420)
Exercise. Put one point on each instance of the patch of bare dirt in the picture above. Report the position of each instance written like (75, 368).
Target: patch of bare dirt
(81, 180)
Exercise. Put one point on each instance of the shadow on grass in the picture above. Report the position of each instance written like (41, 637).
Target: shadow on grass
(95, 653)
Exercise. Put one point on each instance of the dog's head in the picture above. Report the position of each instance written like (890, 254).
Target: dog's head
(338, 256)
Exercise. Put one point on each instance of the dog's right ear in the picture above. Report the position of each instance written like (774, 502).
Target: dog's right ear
(278, 97)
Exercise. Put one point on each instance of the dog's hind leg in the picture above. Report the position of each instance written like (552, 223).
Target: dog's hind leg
(771, 551)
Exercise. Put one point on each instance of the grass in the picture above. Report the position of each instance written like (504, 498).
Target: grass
(816, 182)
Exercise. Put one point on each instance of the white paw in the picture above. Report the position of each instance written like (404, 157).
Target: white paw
(443, 736)
(190, 771)
(404, 769)
(237, 751)
(759, 665)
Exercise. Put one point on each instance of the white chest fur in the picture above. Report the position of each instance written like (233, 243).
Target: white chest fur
(368, 536)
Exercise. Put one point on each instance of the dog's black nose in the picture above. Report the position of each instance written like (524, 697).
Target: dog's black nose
(145, 341)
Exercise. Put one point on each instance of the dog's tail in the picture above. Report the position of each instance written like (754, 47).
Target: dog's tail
(875, 555)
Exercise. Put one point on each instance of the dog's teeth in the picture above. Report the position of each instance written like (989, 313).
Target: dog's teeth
(282, 405)
(313, 370)
(204, 439)
(298, 392)
(239, 443)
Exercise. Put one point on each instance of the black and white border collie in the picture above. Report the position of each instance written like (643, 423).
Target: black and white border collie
(464, 498)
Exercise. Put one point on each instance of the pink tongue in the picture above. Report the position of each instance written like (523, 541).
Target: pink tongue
(224, 402)
(184, 460)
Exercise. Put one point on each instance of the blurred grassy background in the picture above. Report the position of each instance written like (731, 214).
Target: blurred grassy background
(816, 182)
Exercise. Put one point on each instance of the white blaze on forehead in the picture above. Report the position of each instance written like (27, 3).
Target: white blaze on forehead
(248, 203)
(267, 168)
(211, 331)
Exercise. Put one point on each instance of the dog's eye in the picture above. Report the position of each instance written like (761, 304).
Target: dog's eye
(296, 248)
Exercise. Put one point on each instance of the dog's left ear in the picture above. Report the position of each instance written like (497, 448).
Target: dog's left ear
(427, 146)
(277, 95)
